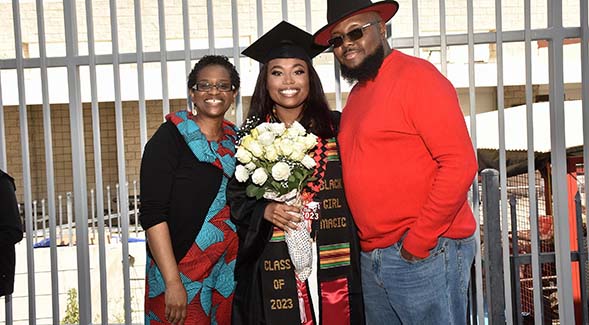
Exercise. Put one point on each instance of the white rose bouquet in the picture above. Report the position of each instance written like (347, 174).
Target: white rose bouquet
(275, 158)
(275, 161)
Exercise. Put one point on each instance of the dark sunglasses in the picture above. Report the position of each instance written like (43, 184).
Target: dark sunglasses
(353, 35)
(206, 86)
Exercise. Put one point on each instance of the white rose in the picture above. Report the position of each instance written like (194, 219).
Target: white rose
(298, 128)
(291, 133)
(255, 148)
(250, 166)
(308, 162)
(280, 171)
(243, 156)
(277, 128)
(298, 151)
(259, 176)
(310, 141)
(266, 138)
(271, 153)
(263, 128)
(241, 173)
(285, 147)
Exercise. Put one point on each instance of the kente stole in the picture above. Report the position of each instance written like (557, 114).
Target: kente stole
(279, 287)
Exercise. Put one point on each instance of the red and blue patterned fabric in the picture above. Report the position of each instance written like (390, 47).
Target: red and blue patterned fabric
(207, 268)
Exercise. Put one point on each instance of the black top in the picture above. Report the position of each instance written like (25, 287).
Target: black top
(10, 232)
(175, 187)
(10, 225)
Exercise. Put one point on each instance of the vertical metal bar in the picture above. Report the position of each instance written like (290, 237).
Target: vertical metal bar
(35, 221)
(93, 219)
(2, 131)
(415, 28)
(493, 268)
(236, 58)
(502, 161)
(338, 85)
(26, 163)
(260, 16)
(308, 24)
(515, 280)
(54, 265)
(584, 6)
(284, 9)
(260, 19)
(308, 27)
(443, 46)
(43, 214)
(187, 54)
(136, 208)
(49, 168)
(109, 209)
(532, 195)
(140, 74)
(69, 212)
(78, 162)
(8, 309)
(96, 139)
(211, 26)
(122, 192)
(124, 224)
(161, 13)
(118, 192)
(60, 208)
(559, 165)
(475, 186)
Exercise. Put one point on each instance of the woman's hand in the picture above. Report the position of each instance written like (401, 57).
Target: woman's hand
(282, 215)
(175, 300)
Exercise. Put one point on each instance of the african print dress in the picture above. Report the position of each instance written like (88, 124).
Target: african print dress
(192, 201)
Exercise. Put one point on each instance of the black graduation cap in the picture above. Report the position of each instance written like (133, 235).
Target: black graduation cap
(283, 41)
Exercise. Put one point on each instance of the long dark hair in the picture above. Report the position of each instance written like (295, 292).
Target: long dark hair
(316, 113)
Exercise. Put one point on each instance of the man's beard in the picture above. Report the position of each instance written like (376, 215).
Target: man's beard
(367, 70)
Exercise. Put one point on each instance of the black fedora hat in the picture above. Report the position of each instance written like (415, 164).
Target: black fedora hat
(338, 10)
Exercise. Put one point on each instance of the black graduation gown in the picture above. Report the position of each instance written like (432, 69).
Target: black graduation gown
(254, 232)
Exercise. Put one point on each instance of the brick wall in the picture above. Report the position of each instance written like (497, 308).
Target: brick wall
(516, 95)
(61, 141)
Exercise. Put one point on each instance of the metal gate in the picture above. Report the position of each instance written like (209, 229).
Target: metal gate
(169, 36)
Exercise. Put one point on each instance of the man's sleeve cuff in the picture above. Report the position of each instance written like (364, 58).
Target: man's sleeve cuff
(418, 247)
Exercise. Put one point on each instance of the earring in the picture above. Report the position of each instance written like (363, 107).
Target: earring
(193, 111)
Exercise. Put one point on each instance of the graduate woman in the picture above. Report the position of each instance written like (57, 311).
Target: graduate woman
(288, 89)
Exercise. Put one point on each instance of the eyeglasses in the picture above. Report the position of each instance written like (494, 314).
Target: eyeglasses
(207, 86)
(353, 35)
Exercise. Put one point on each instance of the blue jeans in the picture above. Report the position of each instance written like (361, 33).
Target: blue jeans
(430, 291)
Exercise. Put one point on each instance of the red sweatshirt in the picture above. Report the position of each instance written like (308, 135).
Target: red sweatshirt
(408, 161)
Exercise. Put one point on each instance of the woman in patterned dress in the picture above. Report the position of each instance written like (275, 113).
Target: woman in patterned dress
(191, 242)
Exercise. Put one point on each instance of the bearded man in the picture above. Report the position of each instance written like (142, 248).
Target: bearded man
(408, 163)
